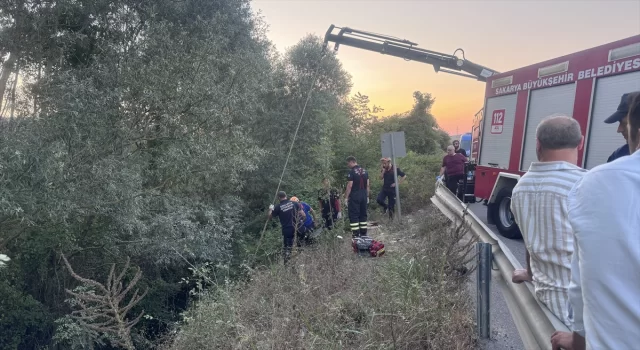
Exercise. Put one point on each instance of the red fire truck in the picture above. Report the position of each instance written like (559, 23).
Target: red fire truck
(586, 85)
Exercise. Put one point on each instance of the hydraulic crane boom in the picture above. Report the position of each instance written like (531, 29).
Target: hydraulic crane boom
(406, 49)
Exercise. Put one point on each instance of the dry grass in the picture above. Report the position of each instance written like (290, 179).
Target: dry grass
(328, 298)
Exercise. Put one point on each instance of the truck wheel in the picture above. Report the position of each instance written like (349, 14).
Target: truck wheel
(502, 216)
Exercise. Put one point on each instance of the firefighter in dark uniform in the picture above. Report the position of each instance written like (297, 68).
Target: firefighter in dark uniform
(291, 218)
(357, 195)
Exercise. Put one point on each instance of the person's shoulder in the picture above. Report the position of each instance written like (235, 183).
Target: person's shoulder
(622, 164)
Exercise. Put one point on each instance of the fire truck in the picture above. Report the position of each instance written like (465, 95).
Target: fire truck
(586, 85)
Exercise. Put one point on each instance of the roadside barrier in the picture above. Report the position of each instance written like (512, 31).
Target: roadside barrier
(534, 321)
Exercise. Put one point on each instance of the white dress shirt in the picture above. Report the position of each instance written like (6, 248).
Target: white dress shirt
(604, 211)
(539, 207)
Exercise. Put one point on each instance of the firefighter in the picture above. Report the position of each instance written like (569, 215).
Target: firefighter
(329, 201)
(388, 186)
(357, 195)
(290, 214)
(620, 116)
(305, 228)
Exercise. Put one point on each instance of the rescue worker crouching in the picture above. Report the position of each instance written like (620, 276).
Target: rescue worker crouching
(290, 214)
(306, 227)
(357, 194)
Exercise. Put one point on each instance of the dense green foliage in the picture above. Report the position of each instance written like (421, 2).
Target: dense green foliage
(157, 130)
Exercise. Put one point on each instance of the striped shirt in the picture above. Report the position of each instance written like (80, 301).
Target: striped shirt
(539, 206)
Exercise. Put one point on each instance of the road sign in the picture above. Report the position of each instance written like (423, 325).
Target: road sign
(392, 144)
(497, 121)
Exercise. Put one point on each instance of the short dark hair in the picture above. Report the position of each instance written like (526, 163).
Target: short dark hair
(634, 114)
(282, 195)
(351, 159)
(454, 141)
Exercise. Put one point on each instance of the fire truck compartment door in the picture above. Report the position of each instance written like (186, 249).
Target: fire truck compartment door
(497, 131)
(543, 103)
(603, 138)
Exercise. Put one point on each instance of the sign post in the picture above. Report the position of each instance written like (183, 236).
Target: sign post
(393, 146)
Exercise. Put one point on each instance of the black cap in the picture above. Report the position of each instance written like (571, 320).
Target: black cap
(623, 109)
(282, 195)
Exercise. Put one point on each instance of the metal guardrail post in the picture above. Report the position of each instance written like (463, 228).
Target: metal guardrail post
(483, 281)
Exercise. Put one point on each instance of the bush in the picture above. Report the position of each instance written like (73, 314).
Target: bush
(328, 298)
(23, 320)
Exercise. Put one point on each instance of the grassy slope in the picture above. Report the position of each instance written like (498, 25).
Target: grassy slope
(328, 298)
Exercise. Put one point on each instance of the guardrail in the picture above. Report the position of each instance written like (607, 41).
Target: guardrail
(534, 321)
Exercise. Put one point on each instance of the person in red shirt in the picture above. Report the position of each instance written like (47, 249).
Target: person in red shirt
(453, 164)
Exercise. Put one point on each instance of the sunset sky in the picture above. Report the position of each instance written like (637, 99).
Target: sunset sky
(499, 34)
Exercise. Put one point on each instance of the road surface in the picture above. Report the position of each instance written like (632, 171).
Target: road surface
(503, 332)
(516, 246)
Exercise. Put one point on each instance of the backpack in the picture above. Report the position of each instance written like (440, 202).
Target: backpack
(361, 244)
(376, 249)
(367, 245)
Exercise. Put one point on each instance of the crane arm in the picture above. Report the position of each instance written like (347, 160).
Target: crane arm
(388, 45)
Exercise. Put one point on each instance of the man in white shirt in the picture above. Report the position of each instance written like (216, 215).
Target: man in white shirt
(539, 206)
(604, 212)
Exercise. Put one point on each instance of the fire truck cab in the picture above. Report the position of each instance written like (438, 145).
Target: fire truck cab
(586, 85)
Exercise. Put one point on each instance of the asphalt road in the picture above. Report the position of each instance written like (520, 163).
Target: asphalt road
(516, 246)
(503, 332)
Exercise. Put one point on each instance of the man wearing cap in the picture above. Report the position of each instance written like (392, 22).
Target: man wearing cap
(388, 186)
(290, 214)
(620, 116)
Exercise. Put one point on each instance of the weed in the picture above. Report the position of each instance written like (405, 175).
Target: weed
(328, 298)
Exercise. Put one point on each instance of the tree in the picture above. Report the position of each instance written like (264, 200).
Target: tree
(140, 146)
(362, 114)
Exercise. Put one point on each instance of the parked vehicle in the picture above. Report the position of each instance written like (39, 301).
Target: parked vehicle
(586, 85)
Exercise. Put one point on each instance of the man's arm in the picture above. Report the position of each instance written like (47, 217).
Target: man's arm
(348, 191)
(368, 189)
(313, 214)
(442, 170)
(520, 275)
(300, 208)
(270, 213)
(575, 300)
(401, 176)
(523, 275)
